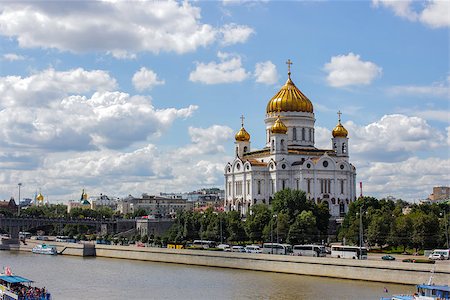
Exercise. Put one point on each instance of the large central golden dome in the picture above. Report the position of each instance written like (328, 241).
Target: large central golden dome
(289, 98)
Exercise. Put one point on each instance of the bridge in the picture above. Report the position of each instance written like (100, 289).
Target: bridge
(13, 225)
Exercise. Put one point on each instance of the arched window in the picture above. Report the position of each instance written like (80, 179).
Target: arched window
(310, 135)
(245, 149)
(273, 145)
(303, 134)
(282, 145)
(344, 148)
(294, 134)
(237, 151)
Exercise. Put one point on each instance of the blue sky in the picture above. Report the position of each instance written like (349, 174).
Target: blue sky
(125, 98)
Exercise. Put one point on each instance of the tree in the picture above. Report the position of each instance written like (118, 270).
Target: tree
(236, 231)
(425, 230)
(378, 229)
(304, 229)
(291, 202)
(256, 221)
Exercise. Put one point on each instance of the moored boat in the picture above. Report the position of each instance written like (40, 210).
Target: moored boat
(425, 292)
(45, 249)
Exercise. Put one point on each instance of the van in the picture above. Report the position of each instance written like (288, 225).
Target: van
(440, 254)
(253, 249)
(237, 249)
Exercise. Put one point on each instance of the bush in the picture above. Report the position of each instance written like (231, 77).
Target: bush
(418, 261)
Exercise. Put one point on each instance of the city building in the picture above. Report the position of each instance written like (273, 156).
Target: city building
(154, 205)
(83, 203)
(103, 201)
(153, 226)
(289, 158)
(8, 206)
(440, 193)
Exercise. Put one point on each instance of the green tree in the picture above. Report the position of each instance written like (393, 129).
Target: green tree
(256, 220)
(291, 202)
(304, 229)
(378, 229)
(236, 231)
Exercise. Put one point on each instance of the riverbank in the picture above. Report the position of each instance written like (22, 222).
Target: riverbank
(368, 270)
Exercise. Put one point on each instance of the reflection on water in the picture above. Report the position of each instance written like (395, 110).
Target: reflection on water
(101, 278)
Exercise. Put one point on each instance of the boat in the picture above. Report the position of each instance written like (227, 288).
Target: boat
(45, 249)
(425, 292)
(428, 291)
(13, 287)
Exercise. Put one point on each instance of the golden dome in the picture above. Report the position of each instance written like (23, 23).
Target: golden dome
(289, 98)
(279, 127)
(339, 130)
(242, 135)
(40, 197)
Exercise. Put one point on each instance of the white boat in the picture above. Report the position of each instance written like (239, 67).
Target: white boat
(45, 249)
(13, 287)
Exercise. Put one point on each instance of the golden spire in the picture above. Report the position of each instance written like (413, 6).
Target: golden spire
(289, 98)
(289, 63)
(339, 130)
(242, 135)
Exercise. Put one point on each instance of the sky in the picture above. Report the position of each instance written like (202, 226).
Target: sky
(124, 98)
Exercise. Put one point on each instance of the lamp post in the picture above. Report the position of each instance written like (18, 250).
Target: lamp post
(446, 226)
(18, 204)
(361, 231)
(221, 235)
(276, 217)
(271, 235)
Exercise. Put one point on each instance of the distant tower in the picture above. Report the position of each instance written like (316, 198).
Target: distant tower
(340, 140)
(242, 138)
(40, 199)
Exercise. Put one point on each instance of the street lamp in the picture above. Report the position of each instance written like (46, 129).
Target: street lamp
(444, 214)
(276, 217)
(221, 235)
(361, 231)
(18, 206)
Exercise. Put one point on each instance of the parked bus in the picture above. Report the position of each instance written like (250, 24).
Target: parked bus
(309, 250)
(24, 235)
(349, 252)
(203, 243)
(64, 239)
(274, 248)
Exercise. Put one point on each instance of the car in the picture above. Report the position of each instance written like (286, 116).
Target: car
(388, 257)
(253, 249)
(436, 256)
(237, 249)
(225, 247)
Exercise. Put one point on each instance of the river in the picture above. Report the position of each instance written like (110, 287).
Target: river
(68, 277)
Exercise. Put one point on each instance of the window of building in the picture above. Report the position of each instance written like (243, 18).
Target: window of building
(303, 134)
(248, 187)
(294, 134)
(342, 186)
(272, 186)
(297, 184)
(259, 187)
(283, 184)
(308, 185)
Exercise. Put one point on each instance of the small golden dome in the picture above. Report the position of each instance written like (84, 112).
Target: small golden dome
(242, 135)
(279, 127)
(339, 130)
(289, 98)
(40, 197)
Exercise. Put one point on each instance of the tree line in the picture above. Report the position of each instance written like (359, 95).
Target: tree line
(388, 223)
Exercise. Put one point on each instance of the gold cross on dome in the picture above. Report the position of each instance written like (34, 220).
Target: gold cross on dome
(289, 63)
(339, 114)
(242, 120)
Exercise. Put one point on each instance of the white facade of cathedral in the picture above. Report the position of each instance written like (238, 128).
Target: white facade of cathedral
(290, 160)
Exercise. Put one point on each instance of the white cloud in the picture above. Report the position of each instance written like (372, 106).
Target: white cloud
(435, 14)
(393, 137)
(266, 72)
(207, 140)
(43, 87)
(116, 27)
(48, 111)
(145, 79)
(234, 33)
(439, 89)
(346, 70)
(228, 70)
(448, 136)
(13, 57)
(411, 179)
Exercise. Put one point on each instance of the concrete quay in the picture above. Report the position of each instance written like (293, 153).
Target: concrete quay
(368, 270)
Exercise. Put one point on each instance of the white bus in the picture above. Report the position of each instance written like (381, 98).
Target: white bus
(309, 250)
(274, 248)
(349, 252)
(203, 243)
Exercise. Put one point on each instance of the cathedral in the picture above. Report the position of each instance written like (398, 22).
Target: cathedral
(290, 159)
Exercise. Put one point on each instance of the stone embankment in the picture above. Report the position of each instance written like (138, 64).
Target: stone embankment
(370, 270)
